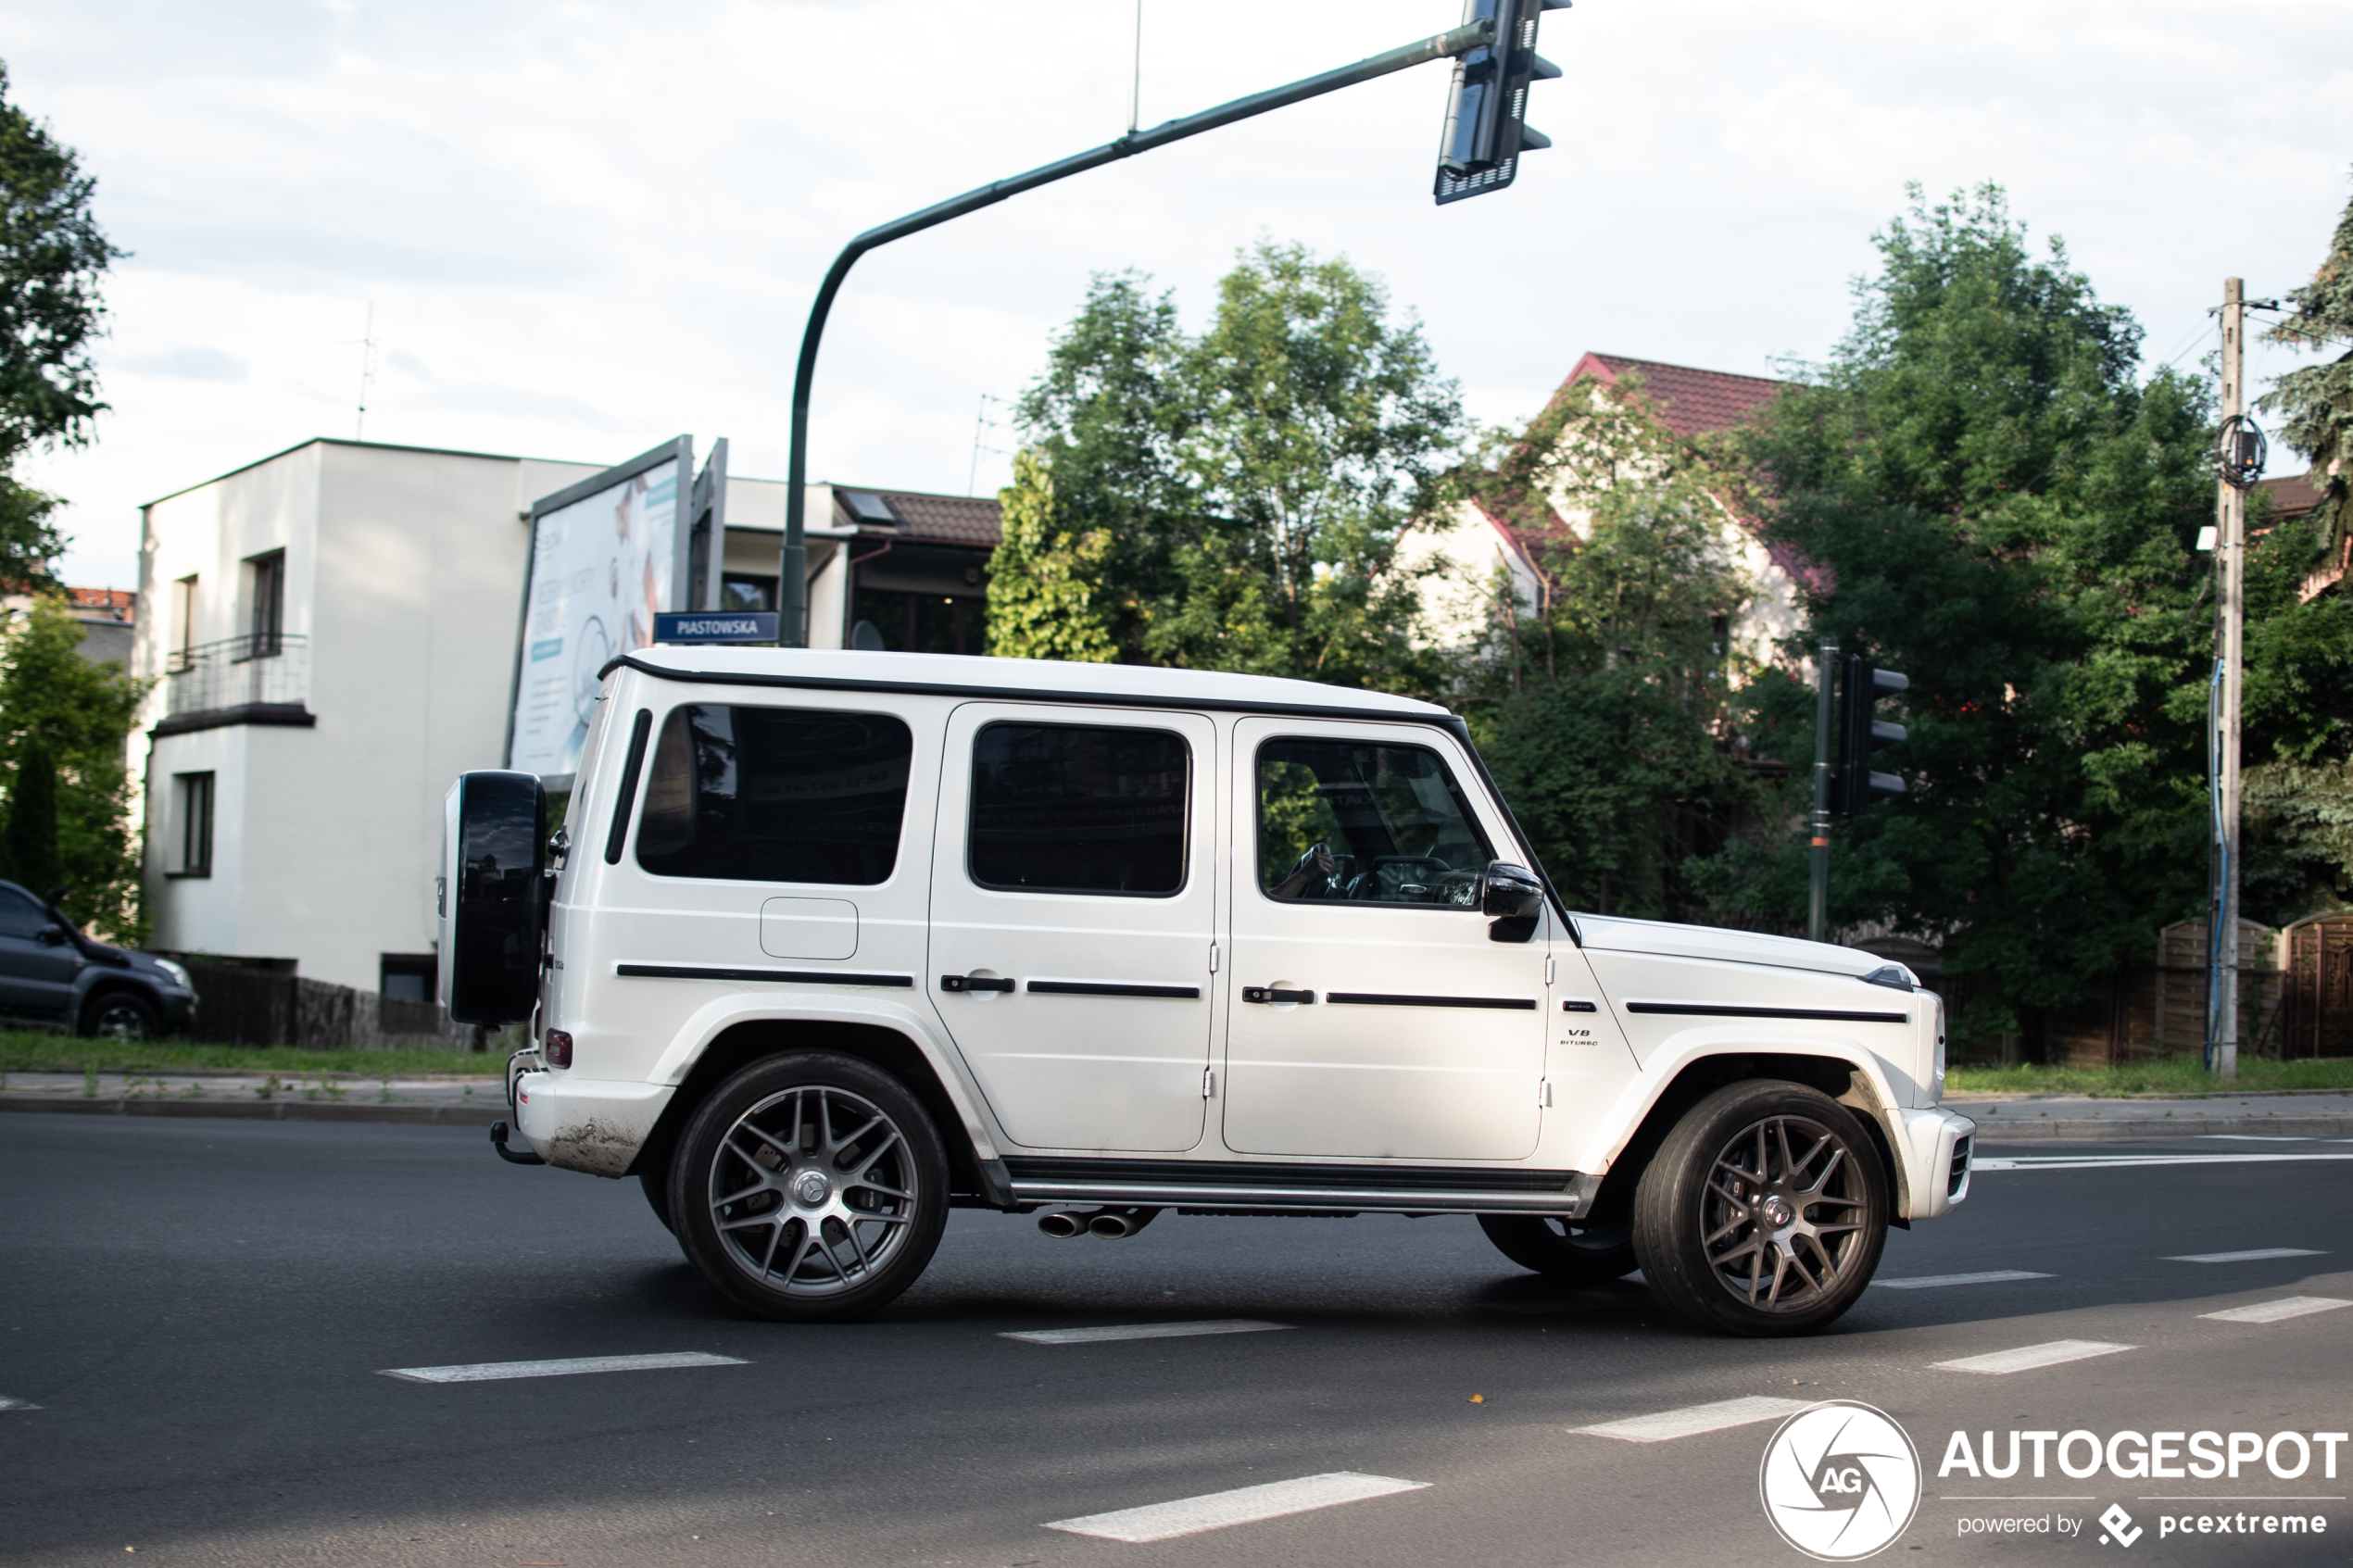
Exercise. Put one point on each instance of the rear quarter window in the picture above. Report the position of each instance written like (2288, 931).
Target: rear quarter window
(745, 794)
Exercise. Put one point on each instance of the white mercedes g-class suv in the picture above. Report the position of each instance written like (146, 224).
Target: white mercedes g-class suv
(828, 944)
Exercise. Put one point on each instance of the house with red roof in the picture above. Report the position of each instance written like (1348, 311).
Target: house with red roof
(1487, 553)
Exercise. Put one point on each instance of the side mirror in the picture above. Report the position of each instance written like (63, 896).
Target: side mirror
(493, 859)
(51, 936)
(1511, 897)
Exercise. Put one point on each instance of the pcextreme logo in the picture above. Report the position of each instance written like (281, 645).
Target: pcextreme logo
(1840, 1481)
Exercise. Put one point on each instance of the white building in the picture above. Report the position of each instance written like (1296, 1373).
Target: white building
(332, 631)
(1487, 554)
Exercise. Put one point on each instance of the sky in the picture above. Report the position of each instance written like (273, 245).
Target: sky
(574, 229)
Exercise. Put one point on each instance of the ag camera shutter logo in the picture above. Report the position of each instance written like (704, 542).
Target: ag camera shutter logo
(1840, 1481)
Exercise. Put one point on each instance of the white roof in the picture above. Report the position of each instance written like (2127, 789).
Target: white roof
(1110, 683)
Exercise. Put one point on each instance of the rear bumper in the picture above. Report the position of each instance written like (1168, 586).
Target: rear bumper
(1937, 1148)
(592, 1124)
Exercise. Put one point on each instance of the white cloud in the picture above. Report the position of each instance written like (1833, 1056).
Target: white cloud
(585, 226)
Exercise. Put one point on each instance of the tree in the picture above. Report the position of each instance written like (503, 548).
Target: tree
(77, 715)
(1242, 493)
(2004, 511)
(1042, 579)
(1603, 712)
(52, 256)
(2317, 399)
(29, 840)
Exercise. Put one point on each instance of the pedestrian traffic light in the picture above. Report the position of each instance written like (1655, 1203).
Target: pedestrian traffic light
(1487, 107)
(1860, 735)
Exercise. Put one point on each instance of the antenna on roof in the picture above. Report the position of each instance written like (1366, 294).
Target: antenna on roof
(981, 421)
(367, 341)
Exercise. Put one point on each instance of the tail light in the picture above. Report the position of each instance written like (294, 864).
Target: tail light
(557, 1050)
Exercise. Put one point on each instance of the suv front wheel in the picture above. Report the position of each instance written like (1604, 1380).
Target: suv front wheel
(1763, 1213)
(809, 1188)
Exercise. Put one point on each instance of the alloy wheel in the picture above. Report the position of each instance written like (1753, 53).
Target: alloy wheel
(813, 1190)
(1781, 1214)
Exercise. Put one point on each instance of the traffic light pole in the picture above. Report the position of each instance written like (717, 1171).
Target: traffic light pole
(792, 583)
(2230, 558)
(1818, 907)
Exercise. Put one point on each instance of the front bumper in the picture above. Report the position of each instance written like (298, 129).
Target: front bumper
(592, 1124)
(1937, 1148)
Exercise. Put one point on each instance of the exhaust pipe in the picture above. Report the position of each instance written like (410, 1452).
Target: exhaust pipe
(1065, 1223)
(1117, 1224)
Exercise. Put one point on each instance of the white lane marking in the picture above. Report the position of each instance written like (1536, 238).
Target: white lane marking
(2123, 1161)
(2256, 1255)
(492, 1372)
(1244, 1505)
(2281, 1310)
(1141, 1331)
(2029, 1357)
(1925, 1282)
(1692, 1420)
(8, 1404)
(2257, 1137)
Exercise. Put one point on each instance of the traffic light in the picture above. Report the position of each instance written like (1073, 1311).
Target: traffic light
(1487, 107)
(1860, 735)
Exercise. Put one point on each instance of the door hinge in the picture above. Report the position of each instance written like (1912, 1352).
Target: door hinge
(1209, 1083)
(1545, 1092)
(1213, 958)
(1548, 969)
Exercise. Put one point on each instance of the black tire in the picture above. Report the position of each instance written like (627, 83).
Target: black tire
(657, 1186)
(1563, 1249)
(1763, 1213)
(809, 1188)
(125, 1014)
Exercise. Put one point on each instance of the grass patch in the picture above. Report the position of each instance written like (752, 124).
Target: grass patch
(2168, 1075)
(31, 1051)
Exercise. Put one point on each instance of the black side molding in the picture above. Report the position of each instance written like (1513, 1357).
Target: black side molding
(1579, 1005)
(1702, 1009)
(761, 976)
(1377, 999)
(1107, 988)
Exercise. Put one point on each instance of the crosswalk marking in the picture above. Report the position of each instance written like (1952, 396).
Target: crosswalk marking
(2254, 1255)
(1141, 1331)
(2280, 1311)
(1244, 1505)
(2028, 1358)
(1926, 1282)
(492, 1372)
(1690, 1422)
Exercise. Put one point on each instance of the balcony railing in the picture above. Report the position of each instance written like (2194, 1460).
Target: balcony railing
(271, 670)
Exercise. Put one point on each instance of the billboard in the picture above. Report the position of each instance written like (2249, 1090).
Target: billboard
(606, 557)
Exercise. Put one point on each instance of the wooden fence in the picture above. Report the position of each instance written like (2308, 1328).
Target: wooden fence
(250, 1005)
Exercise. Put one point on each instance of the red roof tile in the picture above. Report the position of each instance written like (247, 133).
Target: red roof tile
(1692, 402)
(114, 604)
(950, 520)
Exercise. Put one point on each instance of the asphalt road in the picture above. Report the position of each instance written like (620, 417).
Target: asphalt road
(198, 1313)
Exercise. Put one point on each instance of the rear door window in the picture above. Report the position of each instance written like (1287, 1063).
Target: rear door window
(1079, 809)
(745, 793)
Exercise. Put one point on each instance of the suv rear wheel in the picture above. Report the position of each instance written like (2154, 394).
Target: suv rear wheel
(1763, 1213)
(809, 1188)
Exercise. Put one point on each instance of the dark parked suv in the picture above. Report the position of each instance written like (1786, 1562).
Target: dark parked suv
(51, 973)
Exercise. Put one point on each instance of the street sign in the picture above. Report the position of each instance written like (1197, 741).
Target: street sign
(733, 626)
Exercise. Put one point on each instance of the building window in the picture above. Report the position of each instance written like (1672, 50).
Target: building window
(266, 599)
(183, 656)
(1059, 809)
(746, 593)
(189, 850)
(407, 977)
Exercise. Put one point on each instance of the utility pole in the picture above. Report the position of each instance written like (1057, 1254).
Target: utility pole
(1818, 907)
(2230, 565)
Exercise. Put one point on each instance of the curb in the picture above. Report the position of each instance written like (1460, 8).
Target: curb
(2002, 1129)
(262, 1111)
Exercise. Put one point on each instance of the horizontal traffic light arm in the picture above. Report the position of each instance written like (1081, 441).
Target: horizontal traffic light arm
(793, 585)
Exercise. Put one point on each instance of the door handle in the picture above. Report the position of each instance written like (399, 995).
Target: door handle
(975, 982)
(1271, 993)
